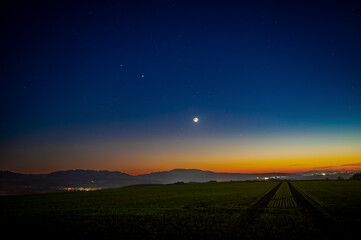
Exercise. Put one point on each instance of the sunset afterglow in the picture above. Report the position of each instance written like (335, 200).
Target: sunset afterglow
(249, 88)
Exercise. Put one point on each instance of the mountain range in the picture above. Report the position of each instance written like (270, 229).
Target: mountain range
(17, 183)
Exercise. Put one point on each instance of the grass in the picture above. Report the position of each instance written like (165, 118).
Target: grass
(188, 211)
(336, 197)
(339, 200)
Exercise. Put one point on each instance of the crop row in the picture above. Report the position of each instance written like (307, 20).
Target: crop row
(283, 198)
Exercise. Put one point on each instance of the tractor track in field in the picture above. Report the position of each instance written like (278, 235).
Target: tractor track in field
(314, 213)
(301, 219)
(306, 207)
(256, 209)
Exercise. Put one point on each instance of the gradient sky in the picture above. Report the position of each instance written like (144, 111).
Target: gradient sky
(114, 85)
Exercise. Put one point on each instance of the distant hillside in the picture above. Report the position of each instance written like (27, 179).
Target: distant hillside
(16, 183)
(195, 175)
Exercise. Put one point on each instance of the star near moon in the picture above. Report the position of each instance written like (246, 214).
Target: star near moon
(195, 119)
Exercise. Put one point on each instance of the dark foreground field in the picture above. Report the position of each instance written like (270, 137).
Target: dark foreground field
(244, 210)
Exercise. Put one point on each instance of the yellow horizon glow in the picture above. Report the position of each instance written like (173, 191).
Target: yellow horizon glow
(288, 153)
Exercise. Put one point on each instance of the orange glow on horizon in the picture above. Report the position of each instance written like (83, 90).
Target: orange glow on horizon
(135, 172)
(246, 171)
(264, 154)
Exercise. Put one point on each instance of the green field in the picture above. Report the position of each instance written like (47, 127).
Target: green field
(188, 211)
(340, 201)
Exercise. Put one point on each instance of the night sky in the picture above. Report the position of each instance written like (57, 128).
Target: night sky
(115, 85)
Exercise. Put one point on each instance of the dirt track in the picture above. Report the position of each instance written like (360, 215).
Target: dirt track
(301, 220)
(305, 206)
(256, 209)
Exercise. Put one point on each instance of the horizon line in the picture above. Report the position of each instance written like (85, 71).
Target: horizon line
(273, 172)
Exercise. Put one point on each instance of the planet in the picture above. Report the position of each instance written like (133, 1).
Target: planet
(195, 119)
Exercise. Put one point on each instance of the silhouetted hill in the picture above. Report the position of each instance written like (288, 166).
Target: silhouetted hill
(195, 175)
(16, 183)
(356, 176)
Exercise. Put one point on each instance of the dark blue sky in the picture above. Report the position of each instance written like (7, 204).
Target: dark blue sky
(148, 67)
